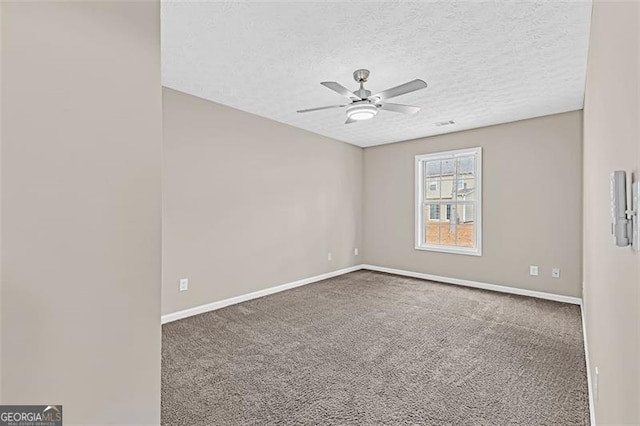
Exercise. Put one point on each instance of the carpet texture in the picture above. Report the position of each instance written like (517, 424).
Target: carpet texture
(369, 348)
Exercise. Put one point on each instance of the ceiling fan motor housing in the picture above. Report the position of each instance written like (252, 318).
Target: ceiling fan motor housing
(361, 75)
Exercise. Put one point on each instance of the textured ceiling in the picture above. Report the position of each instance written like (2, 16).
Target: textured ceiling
(485, 63)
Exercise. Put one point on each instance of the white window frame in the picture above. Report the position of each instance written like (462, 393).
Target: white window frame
(420, 188)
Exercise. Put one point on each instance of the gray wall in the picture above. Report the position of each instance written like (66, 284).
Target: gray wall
(1, 56)
(612, 274)
(81, 208)
(249, 203)
(532, 195)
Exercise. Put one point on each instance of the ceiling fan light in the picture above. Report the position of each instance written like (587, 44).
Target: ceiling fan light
(361, 112)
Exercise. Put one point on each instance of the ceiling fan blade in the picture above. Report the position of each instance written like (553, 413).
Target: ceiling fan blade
(349, 121)
(405, 109)
(411, 86)
(339, 88)
(321, 108)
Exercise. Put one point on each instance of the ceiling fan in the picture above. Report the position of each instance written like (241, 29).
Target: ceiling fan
(363, 105)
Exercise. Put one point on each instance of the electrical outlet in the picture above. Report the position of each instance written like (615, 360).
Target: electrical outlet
(184, 284)
(555, 273)
(533, 270)
(329, 257)
(355, 251)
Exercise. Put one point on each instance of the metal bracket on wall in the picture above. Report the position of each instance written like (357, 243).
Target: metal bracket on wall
(634, 220)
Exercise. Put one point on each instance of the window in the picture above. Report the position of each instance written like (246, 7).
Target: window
(449, 182)
(434, 213)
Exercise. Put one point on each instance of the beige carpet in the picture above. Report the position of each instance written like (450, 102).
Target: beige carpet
(368, 348)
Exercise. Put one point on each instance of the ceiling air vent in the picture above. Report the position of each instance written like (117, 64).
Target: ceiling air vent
(445, 123)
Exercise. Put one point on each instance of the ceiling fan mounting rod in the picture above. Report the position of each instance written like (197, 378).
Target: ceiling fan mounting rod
(362, 93)
(361, 76)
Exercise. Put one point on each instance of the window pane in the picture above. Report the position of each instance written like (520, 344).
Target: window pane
(449, 168)
(466, 226)
(432, 191)
(432, 168)
(432, 220)
(433, 211)
(466, 189)
(447, 187)
(447, 227)
(466, 166)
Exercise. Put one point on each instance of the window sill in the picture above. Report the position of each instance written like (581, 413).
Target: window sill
(451, 250)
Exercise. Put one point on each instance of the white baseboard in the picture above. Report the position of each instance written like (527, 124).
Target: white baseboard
(476, 284)
(249, 296)
(592, 410)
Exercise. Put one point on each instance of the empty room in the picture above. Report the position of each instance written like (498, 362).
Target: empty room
(319, 213)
